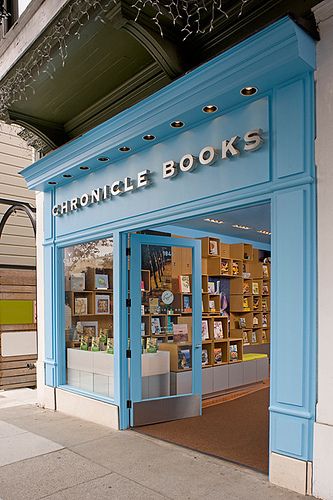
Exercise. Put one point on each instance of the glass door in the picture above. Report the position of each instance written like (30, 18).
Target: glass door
(165, 328)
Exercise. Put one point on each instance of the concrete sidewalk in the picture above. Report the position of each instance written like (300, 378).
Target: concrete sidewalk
(44, 454)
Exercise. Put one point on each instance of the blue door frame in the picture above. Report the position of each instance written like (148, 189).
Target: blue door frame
(136, 242)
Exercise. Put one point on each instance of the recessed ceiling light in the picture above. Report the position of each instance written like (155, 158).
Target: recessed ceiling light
(248, 91)
(210, 108)
(84, 168)
(52, 183)
(264, 231)
(103, 158)
(148, 137)
(239, 226)
(177, 124)
(214, 221)
(67, 176)
(124, 149)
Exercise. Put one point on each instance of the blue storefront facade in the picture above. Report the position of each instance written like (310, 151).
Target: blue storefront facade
(120, 192)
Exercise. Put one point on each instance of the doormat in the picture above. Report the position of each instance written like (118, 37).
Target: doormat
(235, 430)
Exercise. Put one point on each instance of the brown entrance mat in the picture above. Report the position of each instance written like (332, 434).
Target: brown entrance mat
(235, 430)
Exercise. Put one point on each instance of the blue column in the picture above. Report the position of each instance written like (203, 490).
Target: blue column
(293, 339)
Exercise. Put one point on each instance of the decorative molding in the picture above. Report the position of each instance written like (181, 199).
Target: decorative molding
(33, 140)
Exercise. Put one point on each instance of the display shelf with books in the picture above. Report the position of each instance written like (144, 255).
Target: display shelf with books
(240, 303)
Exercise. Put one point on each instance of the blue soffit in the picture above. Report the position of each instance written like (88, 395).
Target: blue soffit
(276, 54)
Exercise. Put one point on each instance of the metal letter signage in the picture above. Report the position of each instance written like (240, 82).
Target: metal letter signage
(252, 141)
(231, 148)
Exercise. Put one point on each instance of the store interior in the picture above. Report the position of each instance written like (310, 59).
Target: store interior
(235, 332)
(235, 288)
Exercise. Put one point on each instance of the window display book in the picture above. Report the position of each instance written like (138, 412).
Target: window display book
(101, 281)
(102, 304)
(78, 282)
(184, 284)
(233, 353)
(80, 306)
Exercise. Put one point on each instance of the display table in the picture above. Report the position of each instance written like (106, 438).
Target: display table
(94, 372)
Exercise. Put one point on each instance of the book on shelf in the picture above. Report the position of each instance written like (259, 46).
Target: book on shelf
(211, 286)
(255, 321)
(154, 305)
(151, 345)
(255, 288)
(180, 333)
(264, 305)
(246, 305)
(224, 266)
(187, 303)
(78, 282)
(265, 271)
(217, 355)
(264, 336)
(211, 305)
(102, 304)
(218, 330)
(81, 305)
(256, 303)
(265, 289)
(205, 359)
(246, 287)
(254, 338)
(233, 352)
(242, 322)
(235, 268)
(184, 283)
(142, 286)
(142, 310)
(264, 321)
(143, 328)
(155, 326)
(213, 247)
(245, 337)
(101, 281)
(204, 329)
(184, 359)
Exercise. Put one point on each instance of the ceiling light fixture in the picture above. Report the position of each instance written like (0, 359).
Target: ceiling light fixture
(124, 149)
(214, 221)
(210, 108)
(84, 168)
(103, 158)
(264, 231)
(177, 124)
(148, 137)
(239, 226)
(67, 176)
(248, 91)
(52, 183)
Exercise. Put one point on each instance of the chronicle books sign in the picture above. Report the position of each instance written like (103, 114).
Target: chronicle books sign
(233, 147)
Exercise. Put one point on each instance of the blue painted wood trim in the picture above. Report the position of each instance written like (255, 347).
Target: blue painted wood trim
(293, 317)
(263, 59)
